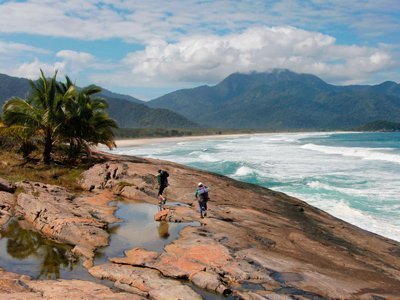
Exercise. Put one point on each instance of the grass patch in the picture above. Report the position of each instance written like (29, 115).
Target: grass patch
(14, 168)
(123, 184)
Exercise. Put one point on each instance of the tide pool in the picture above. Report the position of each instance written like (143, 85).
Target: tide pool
(353, 176)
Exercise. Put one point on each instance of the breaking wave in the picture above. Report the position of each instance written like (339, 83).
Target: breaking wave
(363, 153)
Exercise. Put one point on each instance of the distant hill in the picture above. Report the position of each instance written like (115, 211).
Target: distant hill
(13, 87)
(380, 125)
(136, 115)
(282, 99)
(128, 111)
(108, 94)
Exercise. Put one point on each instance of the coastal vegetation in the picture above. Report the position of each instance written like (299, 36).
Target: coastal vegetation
(15, 169)
(57, 114)
(380, 125)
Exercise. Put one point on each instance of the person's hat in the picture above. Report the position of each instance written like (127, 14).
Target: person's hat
(200, 184)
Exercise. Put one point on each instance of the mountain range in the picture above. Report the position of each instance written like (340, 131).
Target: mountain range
(282, 99)
(276, 100)
(128, 111)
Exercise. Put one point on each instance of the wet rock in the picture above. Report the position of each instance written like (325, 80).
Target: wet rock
(7, 186)
(15, 286)
(209, 281)
(148, 281)
(75, 289)
(134, 193)
(81, 222)
(7, 203)
(137, 257)
(86, 253)
(98, 206)
(57, 219)
(161, 215)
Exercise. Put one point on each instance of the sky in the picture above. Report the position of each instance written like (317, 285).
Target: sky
(149, 48)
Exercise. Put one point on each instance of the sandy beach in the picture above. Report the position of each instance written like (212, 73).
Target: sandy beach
(146, 141)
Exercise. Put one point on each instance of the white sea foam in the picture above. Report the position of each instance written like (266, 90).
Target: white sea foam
(208, 157)
(319, 185)
(365, 220)
(243, 171)
(364, 153)
(361, 189)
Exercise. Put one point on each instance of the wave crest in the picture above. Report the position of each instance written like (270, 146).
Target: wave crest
(363, 153)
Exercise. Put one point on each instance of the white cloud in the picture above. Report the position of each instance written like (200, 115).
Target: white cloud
(31, 70)
(11, 48)
(71, 63)
(76, 57)
(141, 21)
(211, 58)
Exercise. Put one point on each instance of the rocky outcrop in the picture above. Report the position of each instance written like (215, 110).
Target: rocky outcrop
(144, 281)
(255, 241)
(58, 215)
(14, 286)
(7, 203)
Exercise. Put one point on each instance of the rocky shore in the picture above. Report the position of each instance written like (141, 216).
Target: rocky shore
(254, 244)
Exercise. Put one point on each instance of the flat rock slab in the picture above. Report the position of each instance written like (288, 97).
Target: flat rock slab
(15, 286)
(57, 214)
(148, 281)
(137, 257)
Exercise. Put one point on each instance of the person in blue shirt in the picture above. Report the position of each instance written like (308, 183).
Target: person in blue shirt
(201, 195)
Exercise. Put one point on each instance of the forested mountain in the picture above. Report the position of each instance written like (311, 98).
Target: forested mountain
(128, 111)
(380, 125)
(282, 99)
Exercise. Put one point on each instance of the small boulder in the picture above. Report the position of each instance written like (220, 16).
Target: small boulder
(7, 186)
(161, 215)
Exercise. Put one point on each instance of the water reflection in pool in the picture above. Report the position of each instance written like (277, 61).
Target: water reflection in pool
(27, 252)
(139, 229)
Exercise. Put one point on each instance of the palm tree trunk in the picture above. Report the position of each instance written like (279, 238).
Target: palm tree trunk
(48, 145)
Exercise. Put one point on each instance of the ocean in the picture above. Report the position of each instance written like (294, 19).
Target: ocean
(353, 176)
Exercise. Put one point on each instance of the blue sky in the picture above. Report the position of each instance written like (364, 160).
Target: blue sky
(149, 48)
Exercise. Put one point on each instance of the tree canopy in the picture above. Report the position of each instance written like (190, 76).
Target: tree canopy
(58, 113)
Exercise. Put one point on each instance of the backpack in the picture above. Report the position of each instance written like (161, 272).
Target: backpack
(203, 193)
(164, 177)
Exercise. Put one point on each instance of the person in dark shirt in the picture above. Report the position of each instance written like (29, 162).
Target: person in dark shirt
(162, 179)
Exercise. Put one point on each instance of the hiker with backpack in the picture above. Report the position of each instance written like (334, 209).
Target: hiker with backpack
(162, 179)
(201, 195)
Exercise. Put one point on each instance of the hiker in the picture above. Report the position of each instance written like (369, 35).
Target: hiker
(201, 195)
(162, 179)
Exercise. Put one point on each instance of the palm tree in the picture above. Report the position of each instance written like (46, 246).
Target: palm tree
(59, 112)
(86, 122)
(42, 113)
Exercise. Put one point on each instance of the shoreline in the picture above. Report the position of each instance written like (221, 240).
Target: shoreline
(131, 142)
(158, 140)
